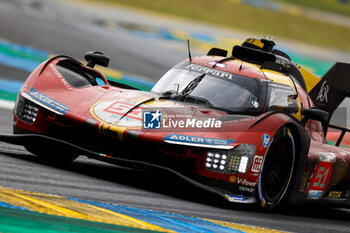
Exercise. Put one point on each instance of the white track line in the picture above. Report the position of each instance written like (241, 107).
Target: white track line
(8, 105)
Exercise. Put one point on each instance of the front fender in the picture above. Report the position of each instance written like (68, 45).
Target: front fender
(269, 124)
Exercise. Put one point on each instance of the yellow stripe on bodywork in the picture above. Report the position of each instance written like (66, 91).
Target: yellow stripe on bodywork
(60, 206)
(112, 131)
(310, 79)
(244, 228)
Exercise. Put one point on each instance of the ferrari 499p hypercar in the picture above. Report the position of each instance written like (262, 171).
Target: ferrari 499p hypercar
(250, 126)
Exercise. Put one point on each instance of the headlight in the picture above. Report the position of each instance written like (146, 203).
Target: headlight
(236, 160)
(26, 110)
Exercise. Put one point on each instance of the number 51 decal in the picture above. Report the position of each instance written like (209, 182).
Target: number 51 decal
(321, 176)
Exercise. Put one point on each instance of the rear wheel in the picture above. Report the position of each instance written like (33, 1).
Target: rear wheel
(278, 170)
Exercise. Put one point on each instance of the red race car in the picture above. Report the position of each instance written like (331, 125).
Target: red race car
(249, 127)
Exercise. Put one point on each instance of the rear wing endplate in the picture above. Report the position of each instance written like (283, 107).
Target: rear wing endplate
(333, 88)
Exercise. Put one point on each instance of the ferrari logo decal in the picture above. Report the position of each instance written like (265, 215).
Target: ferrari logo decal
(120, 108)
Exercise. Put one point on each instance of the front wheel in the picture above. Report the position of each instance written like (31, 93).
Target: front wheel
(52, 153)
(278, 169)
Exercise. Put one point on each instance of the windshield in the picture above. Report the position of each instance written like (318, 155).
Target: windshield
(219, 89)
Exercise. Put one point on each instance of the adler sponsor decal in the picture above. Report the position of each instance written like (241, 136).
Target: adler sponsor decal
(197, 140)
(47, 101)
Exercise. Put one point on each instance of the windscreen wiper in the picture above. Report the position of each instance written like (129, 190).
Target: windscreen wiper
(192, 85)
(167, 94)
(185, 93)
(187, 90)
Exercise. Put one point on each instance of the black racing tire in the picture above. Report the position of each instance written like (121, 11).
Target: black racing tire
(279, 167)
(51, 153)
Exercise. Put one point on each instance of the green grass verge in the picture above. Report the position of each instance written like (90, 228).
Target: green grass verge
(333, 144)
(9, 96)
(327, 5)
(229, 13)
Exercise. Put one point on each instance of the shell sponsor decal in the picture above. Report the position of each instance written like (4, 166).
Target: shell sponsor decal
(232, 179)
(246, 182)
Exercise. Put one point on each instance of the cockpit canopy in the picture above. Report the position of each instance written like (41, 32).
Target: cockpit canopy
(192, 83)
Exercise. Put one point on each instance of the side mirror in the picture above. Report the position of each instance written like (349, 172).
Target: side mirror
(96, 58)
(314, 114)
(217, 52)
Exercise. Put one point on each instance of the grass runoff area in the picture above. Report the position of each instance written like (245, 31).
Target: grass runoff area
(335, 6)
(235, 14)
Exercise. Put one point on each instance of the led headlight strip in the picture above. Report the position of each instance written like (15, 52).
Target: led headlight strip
(26, 110)
(236, 160)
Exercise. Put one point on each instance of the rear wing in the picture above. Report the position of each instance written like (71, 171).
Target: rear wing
(333, 88)
(330, 92)
(342, 134)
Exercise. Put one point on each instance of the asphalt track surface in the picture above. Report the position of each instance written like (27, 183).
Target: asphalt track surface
(47, 26)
